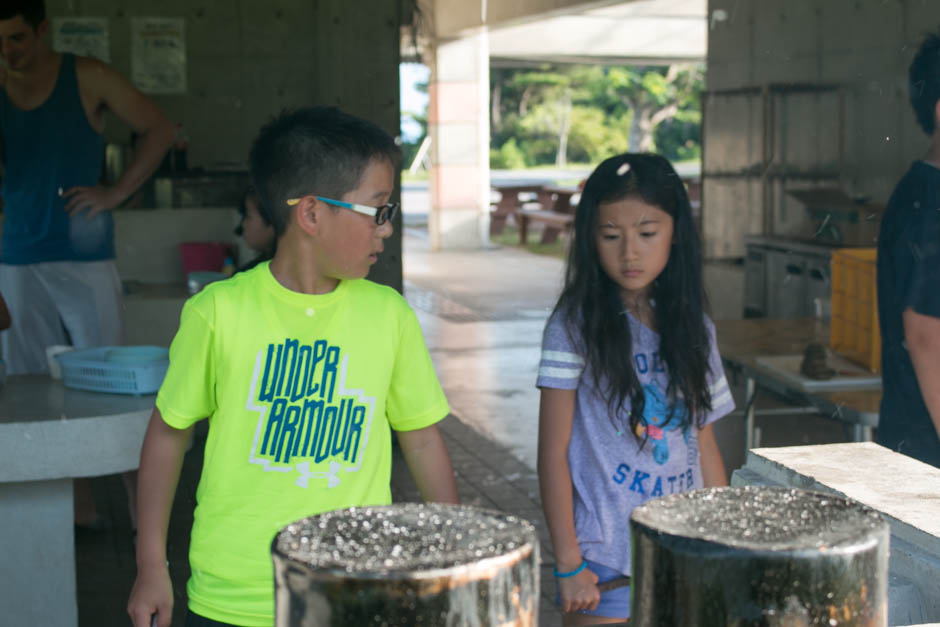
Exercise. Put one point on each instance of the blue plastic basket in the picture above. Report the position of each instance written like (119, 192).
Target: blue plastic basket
(116, 369)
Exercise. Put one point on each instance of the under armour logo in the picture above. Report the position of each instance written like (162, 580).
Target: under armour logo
(303, 480)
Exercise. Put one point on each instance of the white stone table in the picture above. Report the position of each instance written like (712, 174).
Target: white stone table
(48, 435)
(904, 490)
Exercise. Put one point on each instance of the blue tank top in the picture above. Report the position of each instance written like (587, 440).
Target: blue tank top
(44, 149)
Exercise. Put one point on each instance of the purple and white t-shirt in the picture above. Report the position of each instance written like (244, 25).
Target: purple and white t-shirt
(610, 473)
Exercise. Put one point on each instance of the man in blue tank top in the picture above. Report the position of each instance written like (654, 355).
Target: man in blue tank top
(57, 267)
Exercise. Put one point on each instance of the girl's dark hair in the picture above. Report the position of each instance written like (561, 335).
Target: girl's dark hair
(593, 308)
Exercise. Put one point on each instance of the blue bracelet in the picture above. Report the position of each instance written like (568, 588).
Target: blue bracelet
(570, 574)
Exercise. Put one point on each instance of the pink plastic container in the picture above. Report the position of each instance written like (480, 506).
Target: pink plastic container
(204, 256)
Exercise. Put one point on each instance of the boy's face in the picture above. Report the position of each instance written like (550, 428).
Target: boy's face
(350, 242)
(258, 234)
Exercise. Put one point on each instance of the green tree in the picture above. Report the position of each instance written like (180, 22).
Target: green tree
(409, 149)
(655, 95)
(587, 113)
(549, 94)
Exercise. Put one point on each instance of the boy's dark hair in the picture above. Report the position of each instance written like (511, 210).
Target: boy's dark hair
(33, 11)
(593, 308)
(314, 150)
(924, 82)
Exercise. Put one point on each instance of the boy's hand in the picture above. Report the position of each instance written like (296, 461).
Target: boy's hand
(152, 594)
(579, 592)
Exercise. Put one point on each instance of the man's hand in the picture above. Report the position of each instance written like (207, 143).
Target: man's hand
(152, 594)
(95, 199)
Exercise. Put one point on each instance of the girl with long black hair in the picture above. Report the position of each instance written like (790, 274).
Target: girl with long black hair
(630, 376)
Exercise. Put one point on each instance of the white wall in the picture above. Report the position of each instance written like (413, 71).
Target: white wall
(247, 60)
(863, 46)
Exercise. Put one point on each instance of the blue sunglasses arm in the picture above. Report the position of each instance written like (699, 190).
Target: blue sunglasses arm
(338, 203)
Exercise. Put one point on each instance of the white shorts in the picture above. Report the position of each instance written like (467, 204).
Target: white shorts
(58, 302)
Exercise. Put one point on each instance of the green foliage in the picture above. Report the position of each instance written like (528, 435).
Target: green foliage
(410, 148)
(679, 137)
(592, 110)
(594, 136)
(508, 156)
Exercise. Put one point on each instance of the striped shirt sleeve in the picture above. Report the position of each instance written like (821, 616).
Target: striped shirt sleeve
(722, 400)
(561, 363)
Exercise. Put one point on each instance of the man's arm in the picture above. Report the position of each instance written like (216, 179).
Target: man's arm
(429, 463)
(156, 134)
(161, 460)
(922, 336)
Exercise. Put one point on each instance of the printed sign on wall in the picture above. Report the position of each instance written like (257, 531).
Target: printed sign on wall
(158, 54)
(85, 36)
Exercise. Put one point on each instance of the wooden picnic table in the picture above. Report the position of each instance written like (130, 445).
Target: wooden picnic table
(557, 213)
(509, 201)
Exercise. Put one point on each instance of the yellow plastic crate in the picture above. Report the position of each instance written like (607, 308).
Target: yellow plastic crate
(854, 331)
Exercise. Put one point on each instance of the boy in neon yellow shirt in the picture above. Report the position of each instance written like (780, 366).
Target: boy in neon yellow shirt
(303, 368)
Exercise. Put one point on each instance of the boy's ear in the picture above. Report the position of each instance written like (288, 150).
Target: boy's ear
(306, 214)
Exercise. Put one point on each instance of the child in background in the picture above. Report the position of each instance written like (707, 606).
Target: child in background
(303, 369)
(255, 228)
(630, 377)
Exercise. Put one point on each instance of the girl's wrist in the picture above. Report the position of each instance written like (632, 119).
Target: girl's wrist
(569, 573)
(568, 561)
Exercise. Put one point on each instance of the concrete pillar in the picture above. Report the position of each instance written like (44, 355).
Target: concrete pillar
(458, 124)
(355, 67)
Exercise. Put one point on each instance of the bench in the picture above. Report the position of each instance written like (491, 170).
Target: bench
(509, 202)
(554, 221)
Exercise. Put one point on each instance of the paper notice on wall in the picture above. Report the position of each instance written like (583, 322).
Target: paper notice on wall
(158, 54)
(85, 36)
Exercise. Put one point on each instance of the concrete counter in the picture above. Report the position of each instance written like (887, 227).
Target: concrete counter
(904, 490)
(49, 434)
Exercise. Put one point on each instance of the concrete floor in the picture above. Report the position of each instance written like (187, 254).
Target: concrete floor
(482, 313)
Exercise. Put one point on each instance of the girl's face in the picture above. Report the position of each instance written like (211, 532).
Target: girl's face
(633, 243)
(256, 233)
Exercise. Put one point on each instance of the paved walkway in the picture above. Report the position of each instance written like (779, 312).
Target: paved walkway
(482, 313)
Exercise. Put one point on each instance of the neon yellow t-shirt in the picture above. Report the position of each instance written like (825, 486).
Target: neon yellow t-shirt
(301, 392)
